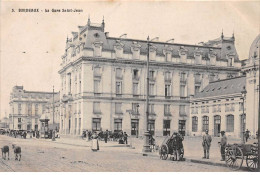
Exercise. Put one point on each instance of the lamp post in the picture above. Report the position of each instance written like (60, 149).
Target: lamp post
(243, 92)
(146, 147)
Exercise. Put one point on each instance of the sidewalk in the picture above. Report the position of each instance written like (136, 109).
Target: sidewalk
(193, 151)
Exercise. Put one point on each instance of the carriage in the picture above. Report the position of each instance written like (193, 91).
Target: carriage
(236, 153)
(167, 149)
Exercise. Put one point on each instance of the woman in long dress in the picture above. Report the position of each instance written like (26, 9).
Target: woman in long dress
(95, 146)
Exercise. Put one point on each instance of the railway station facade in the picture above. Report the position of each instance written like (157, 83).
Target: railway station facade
(103, 81)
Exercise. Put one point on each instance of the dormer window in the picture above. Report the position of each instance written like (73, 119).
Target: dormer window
(152, 52)
(97, 49)
(136, 50)
(183, 54)
(198, 56)
(119, 49)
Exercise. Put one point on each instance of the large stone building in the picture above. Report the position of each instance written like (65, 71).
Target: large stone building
(26, 108)
(102, 77)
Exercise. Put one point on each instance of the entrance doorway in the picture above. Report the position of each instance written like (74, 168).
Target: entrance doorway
(217, 125)
(134, 127)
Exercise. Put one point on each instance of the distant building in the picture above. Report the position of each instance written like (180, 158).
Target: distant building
(219, 107)
(103, 80)
(26, 107)
(4, 123)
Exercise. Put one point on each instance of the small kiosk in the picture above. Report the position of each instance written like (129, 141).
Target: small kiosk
(44, 127)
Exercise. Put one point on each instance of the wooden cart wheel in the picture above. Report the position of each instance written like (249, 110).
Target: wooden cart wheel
(164, 152)
(251, 162)
(234, 157)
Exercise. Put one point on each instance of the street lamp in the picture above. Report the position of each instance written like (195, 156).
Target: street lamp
(146, 146)
(243, 92)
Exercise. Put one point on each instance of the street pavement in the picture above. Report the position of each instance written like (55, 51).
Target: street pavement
(70, 154)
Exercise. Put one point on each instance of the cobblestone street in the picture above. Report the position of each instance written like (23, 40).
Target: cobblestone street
(45, 155)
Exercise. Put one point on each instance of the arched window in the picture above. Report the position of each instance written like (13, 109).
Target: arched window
(205, 123)
(194, 124)
(230, 123)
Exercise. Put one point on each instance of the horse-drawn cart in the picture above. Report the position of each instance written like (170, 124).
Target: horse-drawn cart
(236, 153)
(168, 148)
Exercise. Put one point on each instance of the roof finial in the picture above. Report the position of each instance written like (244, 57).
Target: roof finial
(103, 21)
(222, 35)
(233, 35)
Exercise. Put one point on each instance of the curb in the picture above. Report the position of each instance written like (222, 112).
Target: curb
(196, 161)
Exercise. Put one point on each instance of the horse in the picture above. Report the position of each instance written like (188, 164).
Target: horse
(5, 150)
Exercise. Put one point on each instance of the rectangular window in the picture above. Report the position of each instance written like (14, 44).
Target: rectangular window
(167, 90)
(118, 73)
(232, 107)
(117, 125)
(19, 120)
(135, 74)
(43, 108)
(168, 57)
(69, 77)
(96, 108)
(118, 109)
(151, 126)
(183, 77)
(214, 108)
(167, 110)
(36, 120)
(79, 126)
(135, 88)
(166, 127)
(182, 91)
(97, 51)
(97, 72)
(182, 127)
(151, 75)
(96, 124)
(167, 76)
(205, 123)
(96, 86)
(151, 109)
(118, 87)
(194, 124)
(197, 79)
(151, 89)
(135, 108)
(230, 123)
(182, 110)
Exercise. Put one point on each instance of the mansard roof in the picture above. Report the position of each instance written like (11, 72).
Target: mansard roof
(223, 87)
(93, 33)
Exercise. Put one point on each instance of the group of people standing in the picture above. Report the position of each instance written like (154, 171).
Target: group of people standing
(95, 137)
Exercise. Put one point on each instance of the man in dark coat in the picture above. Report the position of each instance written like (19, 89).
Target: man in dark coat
(206, 141)
(125, 137)
(223, 143)
(106, 136)
(247, 133)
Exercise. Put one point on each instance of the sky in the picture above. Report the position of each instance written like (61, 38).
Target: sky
(32, 43)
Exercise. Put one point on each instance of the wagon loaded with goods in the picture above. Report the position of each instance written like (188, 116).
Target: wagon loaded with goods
(235, 155)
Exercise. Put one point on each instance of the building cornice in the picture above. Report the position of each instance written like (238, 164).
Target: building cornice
(152, 63)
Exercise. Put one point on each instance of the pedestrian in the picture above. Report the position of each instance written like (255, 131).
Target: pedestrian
(247, 134)
(125, 137)
(206, 141)
(106, 136)
(223, 143)
(95, 146)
